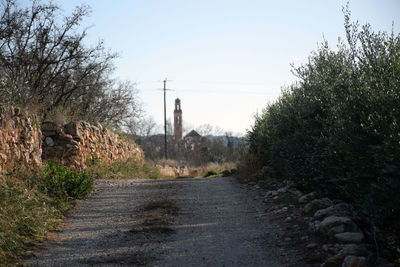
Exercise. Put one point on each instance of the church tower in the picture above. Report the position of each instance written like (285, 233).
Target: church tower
(178, 120)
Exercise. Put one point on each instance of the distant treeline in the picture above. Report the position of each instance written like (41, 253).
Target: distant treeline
(194, 151)
(337, 130)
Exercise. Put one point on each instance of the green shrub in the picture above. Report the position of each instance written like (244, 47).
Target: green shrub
(60, 182)
(337, 130)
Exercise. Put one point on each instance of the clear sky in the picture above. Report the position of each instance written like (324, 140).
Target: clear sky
(226, 58)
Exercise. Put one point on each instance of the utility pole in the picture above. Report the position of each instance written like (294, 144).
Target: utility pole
(165, 119)
(165, 116)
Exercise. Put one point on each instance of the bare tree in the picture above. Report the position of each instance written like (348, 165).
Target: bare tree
(46, 65)
(143, 127)
(205, 129)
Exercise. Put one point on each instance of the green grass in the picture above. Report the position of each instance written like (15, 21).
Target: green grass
(128, 169)
(33, 203)
(25, 215)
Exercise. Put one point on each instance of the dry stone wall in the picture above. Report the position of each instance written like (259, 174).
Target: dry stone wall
(20, 139)
(72, 144)
(23, 140)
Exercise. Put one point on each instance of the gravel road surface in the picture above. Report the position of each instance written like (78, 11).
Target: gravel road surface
(215, 222)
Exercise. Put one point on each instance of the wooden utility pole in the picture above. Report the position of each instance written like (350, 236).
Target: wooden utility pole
(165, 119)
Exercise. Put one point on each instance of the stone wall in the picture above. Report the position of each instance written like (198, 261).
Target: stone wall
(20, 139)
(24, 141)
(72, 144)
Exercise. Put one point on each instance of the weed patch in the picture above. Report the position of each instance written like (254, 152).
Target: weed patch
(99, 169)
(33, 204)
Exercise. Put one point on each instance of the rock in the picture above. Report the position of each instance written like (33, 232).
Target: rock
(282, 190)
(73, 142)
(331, 248)
(271, 193)
(17, 112)
(95, 129)
(353, 261)
(308, 197)
(354, 249)
(338, 229)
(312, 245)
(99, 126)
(48, 126)
(49, 133)
(73, 128)
(333, 261)
(282, 210)
(304, 238)
(75, 147)
(313, 256)
(350, 237)
(68, 137)
(288, 219)
(317, 204)
(295, 192)
(314, 226)
(335, 224)
(341, 209)
(49, 141)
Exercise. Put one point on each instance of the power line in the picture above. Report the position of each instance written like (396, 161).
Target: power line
(215, 92)
(223, 92)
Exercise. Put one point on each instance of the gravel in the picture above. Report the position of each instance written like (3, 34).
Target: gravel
(218, 222)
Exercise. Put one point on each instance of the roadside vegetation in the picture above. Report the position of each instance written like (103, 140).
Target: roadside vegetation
(337, 129)
(32, 203)
(119, 169)
(174, 169)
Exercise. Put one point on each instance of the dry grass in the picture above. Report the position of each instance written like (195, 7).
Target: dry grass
(27, 211)
(170, 169)
(100, 169)
(25, 217)
(212, 169)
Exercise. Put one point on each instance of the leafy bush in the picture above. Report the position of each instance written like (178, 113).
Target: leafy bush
(337, 130)
(58, 181)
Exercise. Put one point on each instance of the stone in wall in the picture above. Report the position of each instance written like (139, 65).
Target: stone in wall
(72, 144)
(20, 139)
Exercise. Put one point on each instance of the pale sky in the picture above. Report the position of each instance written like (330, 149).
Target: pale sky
(226, 58)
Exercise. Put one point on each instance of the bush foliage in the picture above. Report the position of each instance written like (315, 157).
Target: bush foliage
(58, 181)
(337, 130)
(32, 203)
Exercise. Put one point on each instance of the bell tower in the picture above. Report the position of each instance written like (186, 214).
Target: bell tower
(178, 120)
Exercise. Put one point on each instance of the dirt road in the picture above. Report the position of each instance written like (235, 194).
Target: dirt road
(181, 222)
